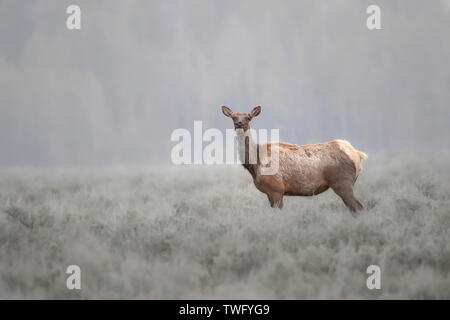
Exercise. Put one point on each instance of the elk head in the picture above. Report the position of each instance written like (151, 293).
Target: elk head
(241, 120)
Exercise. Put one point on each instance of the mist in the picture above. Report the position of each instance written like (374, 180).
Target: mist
(112, 92)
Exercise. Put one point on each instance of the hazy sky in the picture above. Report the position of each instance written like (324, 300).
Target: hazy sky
(115, 90)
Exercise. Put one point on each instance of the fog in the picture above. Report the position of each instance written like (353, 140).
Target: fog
(112, 92)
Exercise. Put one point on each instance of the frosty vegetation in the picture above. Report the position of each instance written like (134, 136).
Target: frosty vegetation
(206, 232)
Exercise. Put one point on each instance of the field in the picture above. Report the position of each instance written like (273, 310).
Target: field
(206, 232)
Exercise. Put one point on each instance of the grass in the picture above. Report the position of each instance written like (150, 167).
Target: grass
(206, 232)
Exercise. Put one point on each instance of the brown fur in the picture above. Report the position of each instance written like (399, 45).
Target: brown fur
(303, 170)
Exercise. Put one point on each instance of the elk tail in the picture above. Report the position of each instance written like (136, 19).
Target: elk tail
(362, 155)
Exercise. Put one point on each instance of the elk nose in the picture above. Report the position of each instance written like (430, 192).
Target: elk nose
(240, 123)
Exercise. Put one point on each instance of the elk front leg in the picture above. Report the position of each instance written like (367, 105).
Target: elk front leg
(275, 199)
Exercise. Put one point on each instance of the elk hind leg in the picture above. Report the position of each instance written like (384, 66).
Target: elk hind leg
(347, 195)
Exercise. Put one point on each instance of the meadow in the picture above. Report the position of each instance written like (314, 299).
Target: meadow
(205, 232)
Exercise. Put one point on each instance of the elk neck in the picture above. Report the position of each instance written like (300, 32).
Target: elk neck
(248, 151)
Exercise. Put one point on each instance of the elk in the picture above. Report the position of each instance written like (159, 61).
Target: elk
(305, 170)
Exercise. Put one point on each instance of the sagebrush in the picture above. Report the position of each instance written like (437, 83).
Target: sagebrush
(205, 232)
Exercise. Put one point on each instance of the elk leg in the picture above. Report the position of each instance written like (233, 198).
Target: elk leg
(270, 200)
(346, 194)
(275, 199)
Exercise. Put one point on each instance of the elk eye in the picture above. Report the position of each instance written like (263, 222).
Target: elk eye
(248, 118)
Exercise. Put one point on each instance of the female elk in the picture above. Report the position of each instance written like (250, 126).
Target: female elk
(302, 170)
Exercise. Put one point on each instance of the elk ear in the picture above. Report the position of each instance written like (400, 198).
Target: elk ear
(255, 111)
(227, 111)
